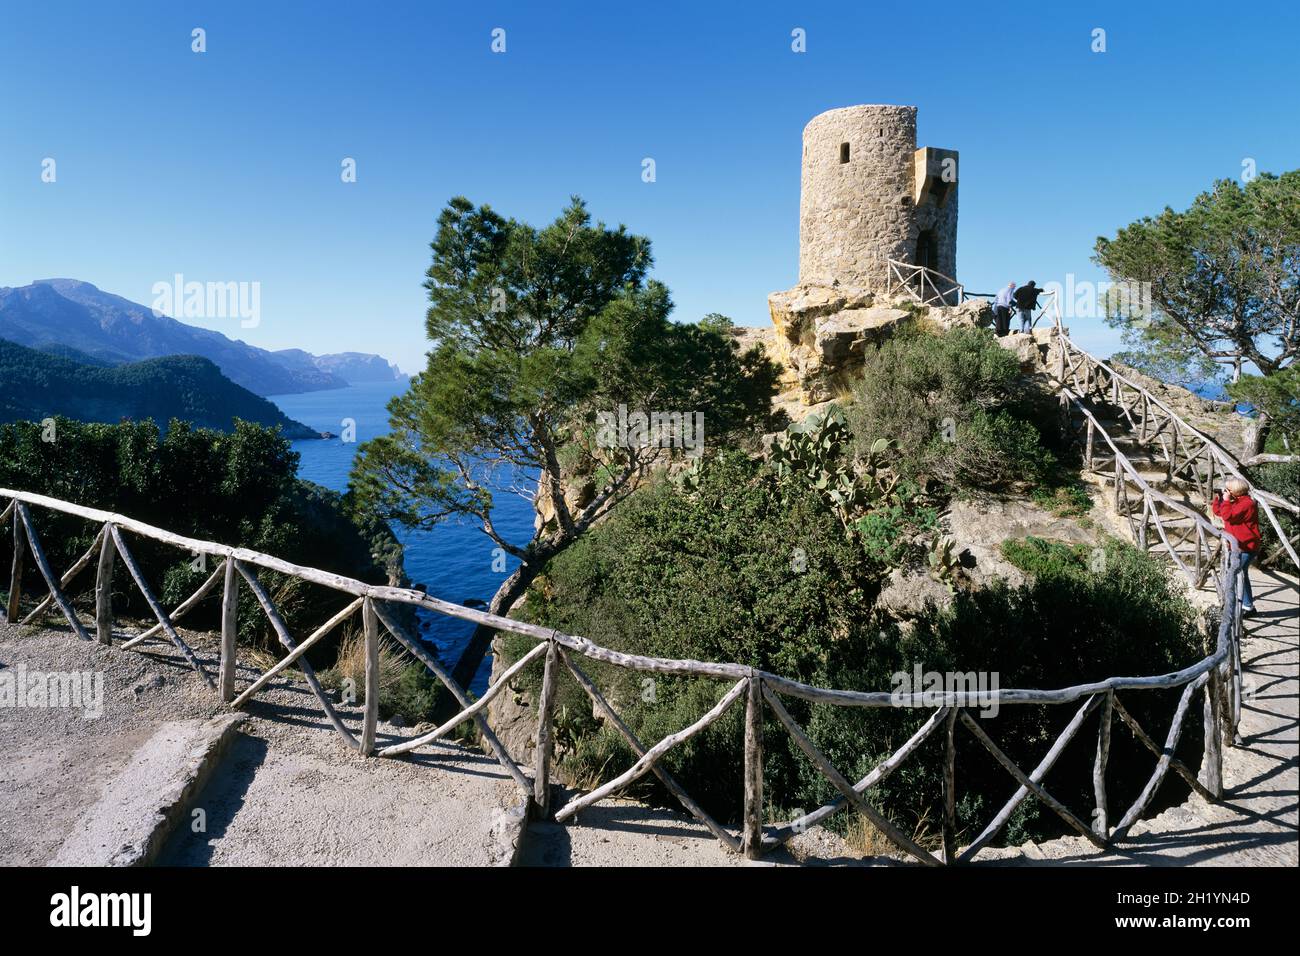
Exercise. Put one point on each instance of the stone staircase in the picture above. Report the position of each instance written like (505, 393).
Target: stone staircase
(1258, 821)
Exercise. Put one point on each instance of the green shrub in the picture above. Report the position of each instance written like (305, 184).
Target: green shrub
(736, 569)
(706, 573)
(1068, 498)
(238, 488)
(957, 407)
(889, 533)
(416, 694)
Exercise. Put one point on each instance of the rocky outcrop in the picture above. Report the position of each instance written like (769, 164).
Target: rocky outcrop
(579, 491)
(979, 526)
(512, 714)
(1033, 349)
(822, 332)
(909, 590)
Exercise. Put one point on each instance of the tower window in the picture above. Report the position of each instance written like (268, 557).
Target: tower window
(844, 152)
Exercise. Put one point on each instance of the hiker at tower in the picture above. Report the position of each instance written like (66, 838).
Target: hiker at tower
(1026, 301)
(1002, 309)
(1237, 509)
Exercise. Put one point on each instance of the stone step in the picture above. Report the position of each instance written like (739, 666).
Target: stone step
(140, 806)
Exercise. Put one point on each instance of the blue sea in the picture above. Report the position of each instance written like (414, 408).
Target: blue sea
(454, 559)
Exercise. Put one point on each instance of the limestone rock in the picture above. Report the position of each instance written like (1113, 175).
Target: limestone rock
(821, 335)
(512, 714)
(578, 493)
(795, 313)
(1026, 348)
(981, 526)
(909, 590)
(971, 314)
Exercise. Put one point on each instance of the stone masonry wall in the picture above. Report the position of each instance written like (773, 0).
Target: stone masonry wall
(854, 215)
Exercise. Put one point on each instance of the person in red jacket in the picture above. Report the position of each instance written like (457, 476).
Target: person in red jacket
(1237, 509)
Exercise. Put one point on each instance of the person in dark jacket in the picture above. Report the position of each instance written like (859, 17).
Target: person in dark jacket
(1026, 301)
(1240, 519)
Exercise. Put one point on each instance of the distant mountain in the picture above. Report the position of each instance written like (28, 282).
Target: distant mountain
(73, 317)
(35, 385)
(352, 367)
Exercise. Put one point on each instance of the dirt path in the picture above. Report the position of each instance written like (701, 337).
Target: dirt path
(1256, 824)
(288, 792)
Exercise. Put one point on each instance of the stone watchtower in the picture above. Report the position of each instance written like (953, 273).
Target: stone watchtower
(869, 195)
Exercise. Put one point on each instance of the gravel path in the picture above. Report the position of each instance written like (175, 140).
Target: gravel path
(288, 793)
(626, 833)
(1257, 823)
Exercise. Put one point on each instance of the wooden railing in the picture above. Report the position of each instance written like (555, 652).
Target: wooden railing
(924, 285)
(1189, 455)
(1216, 678)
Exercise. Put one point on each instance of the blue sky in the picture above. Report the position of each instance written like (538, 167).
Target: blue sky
(225, 165)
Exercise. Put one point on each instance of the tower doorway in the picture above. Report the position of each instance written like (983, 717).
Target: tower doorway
(927, 250)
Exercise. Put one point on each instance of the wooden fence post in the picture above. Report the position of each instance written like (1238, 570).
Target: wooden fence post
(1101, 820)
(1211, 775)
(104, 588)
(371, 715)
(229, 629)
(541, 806)
(752, 835)
(16, 575)
(950, 790)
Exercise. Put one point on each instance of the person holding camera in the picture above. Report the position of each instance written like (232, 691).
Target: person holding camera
(1237, 509)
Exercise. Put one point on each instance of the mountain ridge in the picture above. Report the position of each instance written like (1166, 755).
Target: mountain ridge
(35, 385)
(57, 315)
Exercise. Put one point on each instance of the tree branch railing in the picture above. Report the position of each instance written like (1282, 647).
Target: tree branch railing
(1190, 456)
(1216, 678)
(924, 285)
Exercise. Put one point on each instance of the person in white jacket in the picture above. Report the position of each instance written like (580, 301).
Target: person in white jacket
(1002, 309)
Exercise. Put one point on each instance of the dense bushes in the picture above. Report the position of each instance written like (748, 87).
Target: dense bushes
(734, 570)
(234, 488)
(1085, 614)
(736, 567)
(955, 405)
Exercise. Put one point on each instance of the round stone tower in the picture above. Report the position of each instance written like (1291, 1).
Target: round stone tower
(869, 195)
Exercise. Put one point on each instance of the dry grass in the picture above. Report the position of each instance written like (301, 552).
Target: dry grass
(863, 837)
(260, 659)
(351, 664)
